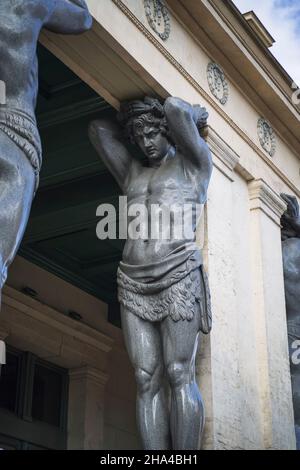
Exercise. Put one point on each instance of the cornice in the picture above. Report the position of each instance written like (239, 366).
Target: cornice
(223, 152)
(263, 197)
(259, 29)
(248, 43)
(204, 94)
(36, 310)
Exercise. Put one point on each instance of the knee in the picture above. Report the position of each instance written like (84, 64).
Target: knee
(148, 382)
(179, 374)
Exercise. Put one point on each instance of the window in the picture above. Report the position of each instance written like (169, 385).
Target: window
(9, 381)
(46, 397)
(33, 402)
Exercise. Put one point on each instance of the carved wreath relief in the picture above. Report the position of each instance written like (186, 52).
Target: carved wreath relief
(217, 82)
(266, 136)
(158, 17)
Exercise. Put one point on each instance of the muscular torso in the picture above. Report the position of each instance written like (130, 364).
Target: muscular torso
(21, 22)
(291, 267)
(170, 184)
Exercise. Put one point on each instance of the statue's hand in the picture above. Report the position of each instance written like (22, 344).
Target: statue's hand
(290, 220)
(200, 116)
(292, 205)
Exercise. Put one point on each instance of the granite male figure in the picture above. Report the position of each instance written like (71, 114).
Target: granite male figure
(291, 266)
(161, 284)
(21, 22)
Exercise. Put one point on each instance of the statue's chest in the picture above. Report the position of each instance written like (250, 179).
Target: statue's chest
(167, 182)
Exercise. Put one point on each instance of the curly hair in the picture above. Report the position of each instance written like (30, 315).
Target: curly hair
(134, 116)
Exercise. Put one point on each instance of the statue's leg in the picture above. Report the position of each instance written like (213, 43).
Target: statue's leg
(295, 377)
(180, 341)
(143, 344)
(17, 181)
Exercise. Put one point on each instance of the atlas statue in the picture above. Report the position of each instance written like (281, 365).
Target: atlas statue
(290, 222)
(162, 286)
(20, 145)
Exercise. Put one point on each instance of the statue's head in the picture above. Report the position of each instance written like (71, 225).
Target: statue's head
(146, 126)
(290, 221)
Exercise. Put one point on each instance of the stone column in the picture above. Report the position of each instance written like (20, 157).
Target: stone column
(275, 399)
(86, 408)
(219, 370)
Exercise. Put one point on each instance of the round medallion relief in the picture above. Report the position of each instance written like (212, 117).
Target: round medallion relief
(158, 17)
(266, 136)
(217, 82)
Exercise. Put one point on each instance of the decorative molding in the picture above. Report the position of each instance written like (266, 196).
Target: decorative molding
(266, 136)
(217, 82)
(127, 12)
(90, 374)
(156, 12)
(264, 198)
(223, 152)
(259, 29)
(46, 316)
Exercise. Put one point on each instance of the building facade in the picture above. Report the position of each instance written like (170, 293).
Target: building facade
(60, 315)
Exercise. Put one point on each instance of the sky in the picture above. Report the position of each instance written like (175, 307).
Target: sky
(282, 20)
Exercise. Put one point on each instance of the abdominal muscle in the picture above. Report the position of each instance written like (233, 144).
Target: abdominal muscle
(159, 241)
(139, 252)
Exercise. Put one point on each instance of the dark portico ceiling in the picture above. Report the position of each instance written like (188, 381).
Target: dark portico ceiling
(61, 234)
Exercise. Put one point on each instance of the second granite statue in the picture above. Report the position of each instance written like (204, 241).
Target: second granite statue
(291, 267)
(162, 286)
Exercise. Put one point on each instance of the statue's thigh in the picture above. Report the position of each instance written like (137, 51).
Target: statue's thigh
(143, 343)
(17, 177)
(180, 339)
(296, 394)
(17, 181)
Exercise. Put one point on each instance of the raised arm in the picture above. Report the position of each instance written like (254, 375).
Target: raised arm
(69, 17)
(106, 137)
(184, 122)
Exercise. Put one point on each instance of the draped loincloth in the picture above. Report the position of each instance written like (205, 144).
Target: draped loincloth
(177, 287)
(22, 130)
(294, 329)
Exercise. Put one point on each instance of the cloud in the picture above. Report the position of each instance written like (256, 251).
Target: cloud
(282, 19)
